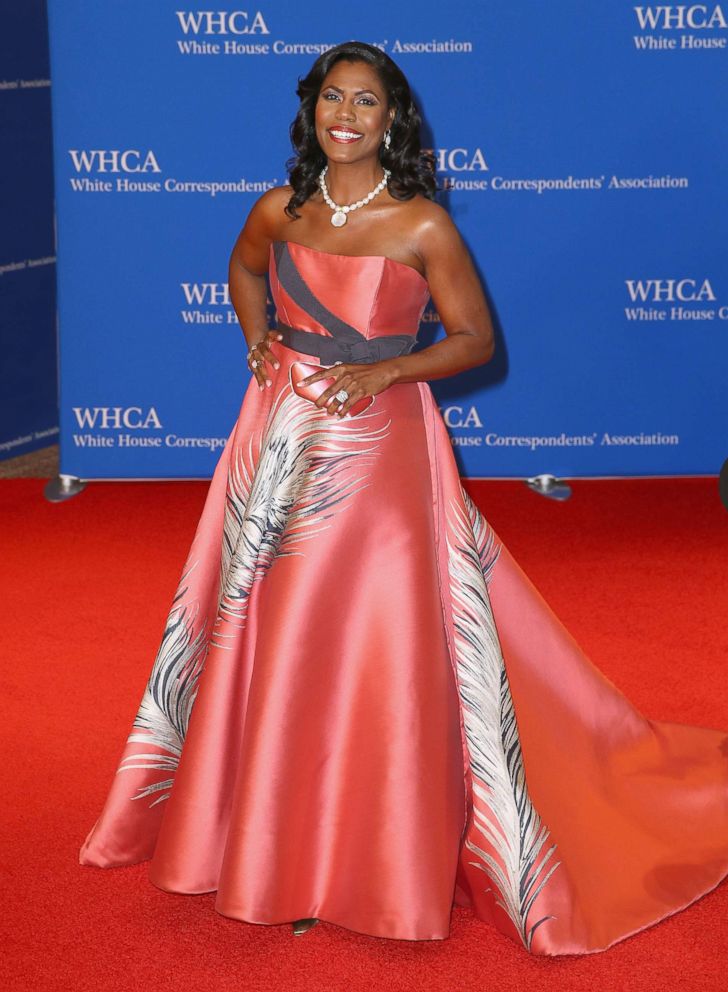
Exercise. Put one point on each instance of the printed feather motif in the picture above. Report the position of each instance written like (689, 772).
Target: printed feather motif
(170, 693)
(281, 491)
(308, 466)
(513, 852)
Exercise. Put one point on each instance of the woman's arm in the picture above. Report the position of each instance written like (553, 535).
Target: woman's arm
(460, 303)
(246, 279)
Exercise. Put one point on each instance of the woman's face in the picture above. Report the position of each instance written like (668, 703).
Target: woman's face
(351, 112)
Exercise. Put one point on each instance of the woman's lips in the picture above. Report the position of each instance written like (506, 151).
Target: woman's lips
(344, 136)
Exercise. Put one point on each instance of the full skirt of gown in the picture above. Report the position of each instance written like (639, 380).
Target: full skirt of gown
(363, 711)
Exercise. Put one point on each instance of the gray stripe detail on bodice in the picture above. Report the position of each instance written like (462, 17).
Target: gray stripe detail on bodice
(346, 344)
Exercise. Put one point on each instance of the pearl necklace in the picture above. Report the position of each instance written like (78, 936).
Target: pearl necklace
(338, 218)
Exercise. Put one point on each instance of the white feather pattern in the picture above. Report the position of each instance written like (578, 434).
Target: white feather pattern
(307, 466)
(281, 491)
(515, 838)
(169, 696)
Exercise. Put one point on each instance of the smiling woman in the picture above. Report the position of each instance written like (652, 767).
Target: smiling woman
(364, 104)
(362, 711)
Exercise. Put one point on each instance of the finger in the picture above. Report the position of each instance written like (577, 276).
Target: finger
(354, 396)
(260, 357)
(337, 371)
(257, 367)
(314, 377)
(327, 394)
(340, 407)
(271, 338)
(324, 399)
(326, 372)
(267, 354)
(260, 376)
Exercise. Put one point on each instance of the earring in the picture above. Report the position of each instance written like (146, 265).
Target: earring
(387, 139)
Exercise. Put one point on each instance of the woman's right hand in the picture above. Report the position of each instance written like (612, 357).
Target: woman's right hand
(260, 353)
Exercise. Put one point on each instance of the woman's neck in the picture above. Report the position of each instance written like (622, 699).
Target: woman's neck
(349, 182)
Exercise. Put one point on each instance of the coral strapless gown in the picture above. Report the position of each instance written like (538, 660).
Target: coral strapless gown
(363, 711)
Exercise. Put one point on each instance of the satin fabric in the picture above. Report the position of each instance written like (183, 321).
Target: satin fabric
(363, 711)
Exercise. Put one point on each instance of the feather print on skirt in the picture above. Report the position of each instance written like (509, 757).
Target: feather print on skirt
(502, 812)
(280, 492)
(307, 465)
(168, 699)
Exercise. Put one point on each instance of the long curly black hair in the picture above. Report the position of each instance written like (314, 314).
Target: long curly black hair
(413, 170)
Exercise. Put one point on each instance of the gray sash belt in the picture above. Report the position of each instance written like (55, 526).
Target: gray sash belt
(330, 350)
(346, 344)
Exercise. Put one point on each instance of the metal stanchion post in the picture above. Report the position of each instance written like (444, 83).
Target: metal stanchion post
(63, 487)
(549, 486)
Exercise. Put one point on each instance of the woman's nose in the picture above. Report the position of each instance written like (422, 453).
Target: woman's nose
(345, 111)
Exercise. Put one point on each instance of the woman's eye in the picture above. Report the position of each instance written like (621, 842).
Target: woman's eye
(335, 96)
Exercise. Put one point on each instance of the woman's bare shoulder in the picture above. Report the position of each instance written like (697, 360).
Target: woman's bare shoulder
(428, 218)
(429, 227)
(267, 213)
(262, 226)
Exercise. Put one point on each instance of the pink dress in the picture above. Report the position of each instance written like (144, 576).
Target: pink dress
(363, 711)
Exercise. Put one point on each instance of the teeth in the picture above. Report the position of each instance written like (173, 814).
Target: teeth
(345, 134)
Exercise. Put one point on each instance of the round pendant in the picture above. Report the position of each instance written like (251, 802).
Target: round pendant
(338, 218)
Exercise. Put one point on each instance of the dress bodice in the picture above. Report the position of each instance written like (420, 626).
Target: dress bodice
(377, 296)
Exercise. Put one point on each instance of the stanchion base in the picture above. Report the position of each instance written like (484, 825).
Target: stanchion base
(549, 486)
(63, 487)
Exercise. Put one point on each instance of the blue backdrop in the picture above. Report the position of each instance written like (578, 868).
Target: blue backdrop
(28, 386)
(581, 147)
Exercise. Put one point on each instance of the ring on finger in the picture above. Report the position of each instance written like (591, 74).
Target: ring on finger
(342, 396)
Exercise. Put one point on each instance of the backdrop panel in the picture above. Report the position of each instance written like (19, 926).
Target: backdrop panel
(28, 380)
(579, 145)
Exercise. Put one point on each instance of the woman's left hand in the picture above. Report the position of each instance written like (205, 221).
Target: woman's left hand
(359, 380)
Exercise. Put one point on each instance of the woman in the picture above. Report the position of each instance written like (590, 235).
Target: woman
(362, 711)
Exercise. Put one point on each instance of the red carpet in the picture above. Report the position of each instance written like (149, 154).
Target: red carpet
(638, 570)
